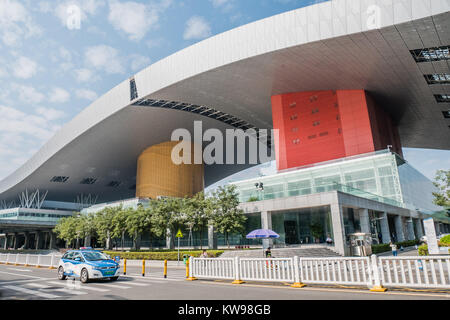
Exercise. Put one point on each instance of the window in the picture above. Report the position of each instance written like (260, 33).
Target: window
(316, 123)
(442, 78)
(314, 111)
(294, 129)
(446, 114)
(296, 141)
(313, 99)
(312, 137)
(59, 179)
(442, 98)
(323, 134)
(114, 184)
(293, 105)
(431, 54)
(294, 117)
(133, 90)
(88, 181)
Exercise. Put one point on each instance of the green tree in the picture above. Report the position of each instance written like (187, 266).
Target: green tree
(167, 216)
(66, 229)
(442, 195)
(227, 218)
(86, 226)
(104, 225)
(198, 211)
(119, 225)
(135, 224)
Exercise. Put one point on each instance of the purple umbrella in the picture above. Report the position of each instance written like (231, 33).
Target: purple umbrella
(262, 234)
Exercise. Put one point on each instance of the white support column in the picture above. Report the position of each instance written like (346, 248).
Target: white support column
(399, 228)
(212, 238)
(385, 234)
(338, 228)
(266, 223)
(169, 243)
(410, 227)
(418, 228)
(364, 220)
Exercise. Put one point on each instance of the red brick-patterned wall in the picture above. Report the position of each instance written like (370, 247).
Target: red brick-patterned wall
(319, 126)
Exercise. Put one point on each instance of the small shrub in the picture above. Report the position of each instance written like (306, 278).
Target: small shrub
(445, 241)
(423, 250)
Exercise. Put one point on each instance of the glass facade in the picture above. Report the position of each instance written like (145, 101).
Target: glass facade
(417, 189)
(381, 176)
(303, 226)
(33, 215)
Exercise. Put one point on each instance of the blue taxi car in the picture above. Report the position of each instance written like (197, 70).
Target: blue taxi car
(87, 264)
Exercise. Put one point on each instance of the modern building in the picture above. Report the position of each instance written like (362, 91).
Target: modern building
(340, 80)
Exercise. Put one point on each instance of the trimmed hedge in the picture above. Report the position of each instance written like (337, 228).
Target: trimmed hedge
(161, 255)
(379, 248)
(445, 241)
(423, 250)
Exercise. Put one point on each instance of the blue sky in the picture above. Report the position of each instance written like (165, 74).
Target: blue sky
(51, 68)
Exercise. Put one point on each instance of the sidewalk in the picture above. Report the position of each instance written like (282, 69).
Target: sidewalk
(154, 263)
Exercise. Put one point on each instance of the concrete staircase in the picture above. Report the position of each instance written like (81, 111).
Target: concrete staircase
(284, 253)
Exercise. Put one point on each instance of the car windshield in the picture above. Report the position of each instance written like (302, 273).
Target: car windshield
(95, 256)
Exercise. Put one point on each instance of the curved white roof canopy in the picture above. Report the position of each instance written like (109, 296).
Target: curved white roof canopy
(326, 46)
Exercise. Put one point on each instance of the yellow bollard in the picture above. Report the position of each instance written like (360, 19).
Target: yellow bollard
(165, 269)
(187, 272)
(125, 266)
(143, 268)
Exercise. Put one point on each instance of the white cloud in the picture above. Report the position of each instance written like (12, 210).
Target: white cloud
(87, 7)
(133, 18)
(104, 58)
(139, 62)
(24, 68)
(58, 95)
(85, 75)
(27, 94)
(197, 28)
(50, 114)
(86, 94)
(21, 134)
(15, 23)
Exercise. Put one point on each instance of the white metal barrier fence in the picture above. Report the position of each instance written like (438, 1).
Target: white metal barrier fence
(36, 260)
(423, 272)
(275, 269)
(347, 271)
(373, 272)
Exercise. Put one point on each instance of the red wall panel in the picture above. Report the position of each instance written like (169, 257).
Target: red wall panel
(319, 126)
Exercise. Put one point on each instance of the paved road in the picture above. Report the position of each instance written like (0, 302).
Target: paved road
(25, 283)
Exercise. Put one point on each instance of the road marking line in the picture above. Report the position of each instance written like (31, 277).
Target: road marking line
(84, 287)
(65, 290)
(131, 283)
(21, 270)
(24, 281)
(330, 289)
(154, 278)
(115, 286)
(32, 292)
(20, 275)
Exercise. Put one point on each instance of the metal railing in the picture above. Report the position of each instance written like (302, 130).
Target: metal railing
(213, 268)
(423, 272)
(347, 271)
(373, 272)
(276, 269)
(36, 260)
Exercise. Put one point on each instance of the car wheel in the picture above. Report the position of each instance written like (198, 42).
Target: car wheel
(61, 275)
(114, 278)
(84, 277)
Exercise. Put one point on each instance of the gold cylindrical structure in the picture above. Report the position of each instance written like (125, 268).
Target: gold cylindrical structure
(158, 176)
